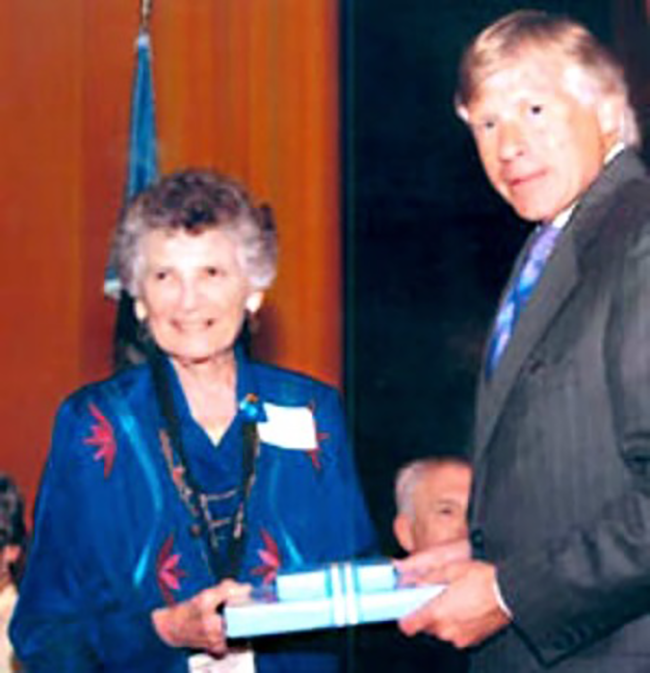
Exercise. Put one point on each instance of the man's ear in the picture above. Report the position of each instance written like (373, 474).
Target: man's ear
(611, 113)
(254, 301)
(403, 532)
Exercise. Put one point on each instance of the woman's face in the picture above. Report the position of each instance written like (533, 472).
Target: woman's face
(193, 293)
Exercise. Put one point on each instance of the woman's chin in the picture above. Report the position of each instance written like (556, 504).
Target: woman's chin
(198, 356)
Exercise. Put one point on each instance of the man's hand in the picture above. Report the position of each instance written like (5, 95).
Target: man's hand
(195, 623)
(425, 567)
(466, 612)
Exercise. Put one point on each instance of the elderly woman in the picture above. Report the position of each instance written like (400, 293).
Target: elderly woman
(191, 468)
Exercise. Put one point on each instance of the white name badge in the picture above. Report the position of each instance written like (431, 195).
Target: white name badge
(236, 661)
(288, 427)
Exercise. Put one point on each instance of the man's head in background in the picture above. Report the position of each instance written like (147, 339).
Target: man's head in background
(431, 497)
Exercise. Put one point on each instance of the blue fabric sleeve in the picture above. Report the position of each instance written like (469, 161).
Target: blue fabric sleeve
(78, 609)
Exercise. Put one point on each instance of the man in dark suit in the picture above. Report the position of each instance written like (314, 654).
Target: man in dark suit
(555, 574)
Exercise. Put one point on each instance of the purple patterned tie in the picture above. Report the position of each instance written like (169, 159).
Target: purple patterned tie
(519, 293)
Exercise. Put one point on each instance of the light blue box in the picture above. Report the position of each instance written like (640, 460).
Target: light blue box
(333, 596)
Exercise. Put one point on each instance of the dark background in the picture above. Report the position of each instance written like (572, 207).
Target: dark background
(428, 245)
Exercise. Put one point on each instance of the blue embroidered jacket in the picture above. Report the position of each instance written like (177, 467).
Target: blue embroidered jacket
(114, 540)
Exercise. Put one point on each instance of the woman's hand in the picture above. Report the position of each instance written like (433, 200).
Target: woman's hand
(195, 623)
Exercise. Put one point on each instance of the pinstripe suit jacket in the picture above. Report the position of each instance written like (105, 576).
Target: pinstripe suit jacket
(561, 499)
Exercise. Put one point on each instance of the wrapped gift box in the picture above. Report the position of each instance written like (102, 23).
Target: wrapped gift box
(340, 594)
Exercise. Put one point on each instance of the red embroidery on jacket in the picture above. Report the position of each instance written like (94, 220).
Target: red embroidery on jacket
(168, 571)
(102, 437)
(315, 454)
(270, 557)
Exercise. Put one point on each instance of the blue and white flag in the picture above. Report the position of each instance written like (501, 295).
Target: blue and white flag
(143, 149)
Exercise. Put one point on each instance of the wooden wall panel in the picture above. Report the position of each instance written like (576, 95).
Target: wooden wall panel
(108, 53)
(40, 206)
(257, 84)
(248, 87)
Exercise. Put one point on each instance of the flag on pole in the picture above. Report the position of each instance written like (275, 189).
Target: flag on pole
(143, 153)
(142, 170)
(143, 150)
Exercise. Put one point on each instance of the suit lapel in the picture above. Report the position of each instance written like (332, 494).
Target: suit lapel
(559, 280)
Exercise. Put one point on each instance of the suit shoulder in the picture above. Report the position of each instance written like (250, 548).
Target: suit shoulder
(634, 211)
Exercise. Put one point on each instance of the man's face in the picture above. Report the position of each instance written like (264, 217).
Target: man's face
(440, 505)
(540, 133)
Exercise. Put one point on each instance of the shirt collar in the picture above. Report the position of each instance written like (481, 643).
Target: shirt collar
(614, 151)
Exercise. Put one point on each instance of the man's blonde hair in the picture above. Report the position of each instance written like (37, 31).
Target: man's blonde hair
(527, 31)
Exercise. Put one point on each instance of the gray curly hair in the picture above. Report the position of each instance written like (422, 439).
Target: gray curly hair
(194, 200)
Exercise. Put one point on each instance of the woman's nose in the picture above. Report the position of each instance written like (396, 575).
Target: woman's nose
(189, 294)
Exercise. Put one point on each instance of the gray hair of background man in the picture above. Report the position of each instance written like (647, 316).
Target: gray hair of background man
(522, 31)
(410, 475)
